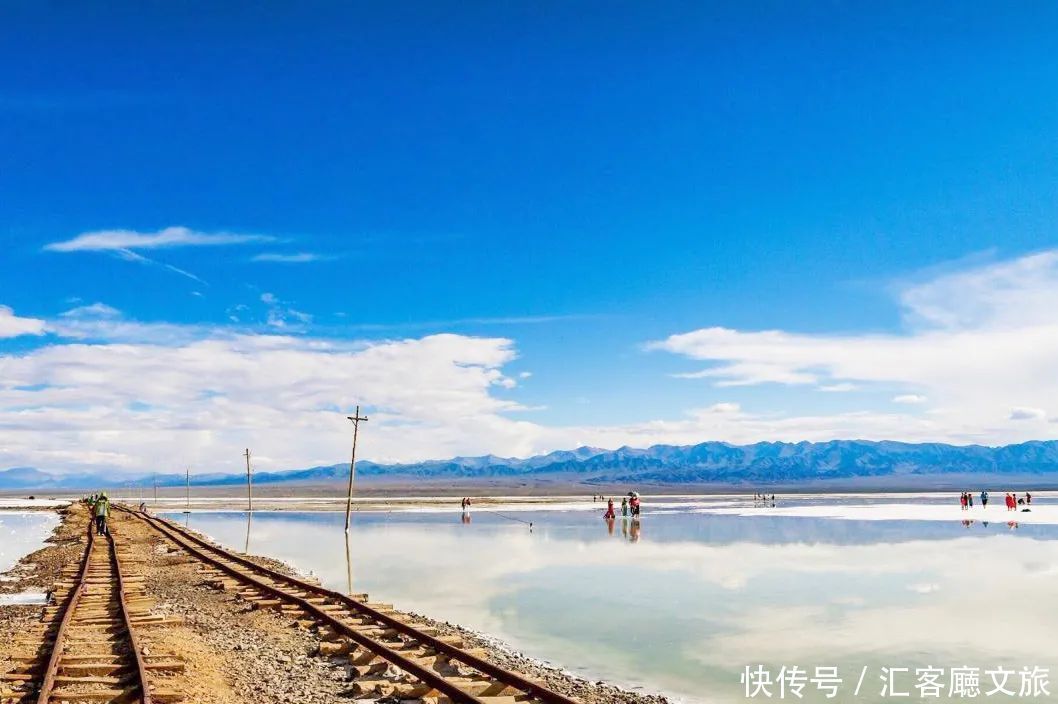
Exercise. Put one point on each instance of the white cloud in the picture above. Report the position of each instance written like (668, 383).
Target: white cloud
(13, 326)
(722, 408)
(977, 343)
(910, 399)
(280, 258)
(124, 241)
(95, 310)
(103, 323)
(125, 244)
(989, 372)
(843, 387)
(281, 315)
(1023, 413)
(63, 406)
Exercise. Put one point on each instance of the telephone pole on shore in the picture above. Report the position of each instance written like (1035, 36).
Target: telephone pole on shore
(249, 482)
(355, 418)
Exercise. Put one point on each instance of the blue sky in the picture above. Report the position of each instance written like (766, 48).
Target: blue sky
(568, 185)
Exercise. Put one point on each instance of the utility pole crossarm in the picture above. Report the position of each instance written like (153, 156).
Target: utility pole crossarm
(355, 419)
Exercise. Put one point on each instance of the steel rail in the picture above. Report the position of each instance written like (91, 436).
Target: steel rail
(501, 675)
(425, 675)
(48, 685)
(47, 688)
(134, 643)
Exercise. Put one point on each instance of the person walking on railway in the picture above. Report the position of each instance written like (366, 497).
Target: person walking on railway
(102, 512)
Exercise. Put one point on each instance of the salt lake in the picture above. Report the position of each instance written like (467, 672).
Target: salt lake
(22, 532)
(684, 600)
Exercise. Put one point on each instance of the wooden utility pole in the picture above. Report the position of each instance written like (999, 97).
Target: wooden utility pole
(188, 479)
(355, 418)
(155, 488)
(348, 567)
(249, 483)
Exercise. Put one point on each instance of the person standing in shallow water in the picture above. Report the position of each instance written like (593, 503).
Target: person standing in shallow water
(970, 499)
(624, 506)
(984, 499)
(962, 501)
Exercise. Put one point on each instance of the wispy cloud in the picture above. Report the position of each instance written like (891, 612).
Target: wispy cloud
(840, 388)
(910, 399)
(130, 256)
(282, 315)
(280, 258)
(459, 322)
(126, 244)
(13, 326)
(131, 240)
(93, 310)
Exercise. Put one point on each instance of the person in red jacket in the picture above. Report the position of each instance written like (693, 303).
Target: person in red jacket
(609, 510)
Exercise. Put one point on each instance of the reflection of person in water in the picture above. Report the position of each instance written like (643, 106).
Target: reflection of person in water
(466, 517)
(609, 525)
(624, 527)
(634, 533)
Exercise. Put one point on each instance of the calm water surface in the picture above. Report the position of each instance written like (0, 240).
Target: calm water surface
(683, 601)
(21, 533)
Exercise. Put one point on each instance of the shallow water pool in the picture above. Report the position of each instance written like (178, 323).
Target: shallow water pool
(21, 533)
(685, 600)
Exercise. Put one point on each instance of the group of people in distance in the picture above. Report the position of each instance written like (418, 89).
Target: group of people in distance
(763, 500)
(628, 504)
(966, 500)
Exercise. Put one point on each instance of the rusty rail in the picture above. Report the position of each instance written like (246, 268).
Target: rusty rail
(48, 684)
(188, 541)
(47, 688)
(134, 643)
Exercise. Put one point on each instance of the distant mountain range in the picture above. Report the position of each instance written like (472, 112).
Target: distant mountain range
(705, 463)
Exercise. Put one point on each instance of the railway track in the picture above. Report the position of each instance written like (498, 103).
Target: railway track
(389, 656)
(88, 645)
